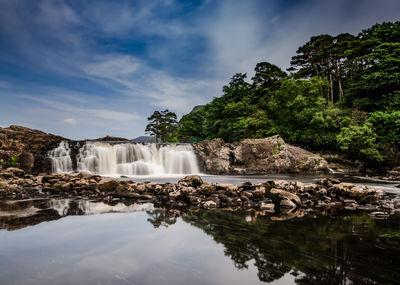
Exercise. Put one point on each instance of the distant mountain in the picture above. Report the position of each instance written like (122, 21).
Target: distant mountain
(195, 108)
(143, 139)
(110, 139)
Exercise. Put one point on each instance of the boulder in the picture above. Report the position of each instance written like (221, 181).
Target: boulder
(268, 207)
(192, 180)
(279, 194)
(26, 161)
(108, 186)
(256, 156)
(210, 205)
(287, 204)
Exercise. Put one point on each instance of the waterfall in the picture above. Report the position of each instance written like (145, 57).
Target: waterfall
(61, 158)
(133, 159)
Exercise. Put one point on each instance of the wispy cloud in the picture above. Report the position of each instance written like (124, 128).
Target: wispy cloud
(69, 122)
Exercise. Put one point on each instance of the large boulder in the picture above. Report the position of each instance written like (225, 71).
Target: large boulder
(26, 161)
(257, 156)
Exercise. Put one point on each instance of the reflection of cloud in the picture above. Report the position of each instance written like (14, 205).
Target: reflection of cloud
(69, 122)
(104, 249)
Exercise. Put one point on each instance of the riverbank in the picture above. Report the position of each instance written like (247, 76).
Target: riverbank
(279, 197)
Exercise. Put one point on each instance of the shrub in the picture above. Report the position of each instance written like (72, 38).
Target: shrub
(360, 142)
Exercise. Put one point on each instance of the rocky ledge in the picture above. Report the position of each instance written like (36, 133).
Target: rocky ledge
(257, 156)
(26, 148)
(279, 196)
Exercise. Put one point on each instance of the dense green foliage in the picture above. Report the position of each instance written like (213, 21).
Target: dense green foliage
(163, 125)
(343, 93)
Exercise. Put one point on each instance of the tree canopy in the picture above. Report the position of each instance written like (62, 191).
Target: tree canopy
(162, 125)
(342, 94)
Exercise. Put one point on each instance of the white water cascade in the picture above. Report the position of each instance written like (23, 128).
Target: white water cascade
(134, 159)
(61, 158)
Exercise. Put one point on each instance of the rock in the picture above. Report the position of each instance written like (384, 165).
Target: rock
(192, 180)
(29, 147)
(278, 194)
(287, 204)
(256, 156)
(299, 186)
(269, 207)
(16, 171)
(26, 161)
(84, 174)
(358, 193)
(141, 188)
(281, 184)
(108, 186)
(327, 182)
(379, 215)
(210, 205)
(207, 189)
(225, 187)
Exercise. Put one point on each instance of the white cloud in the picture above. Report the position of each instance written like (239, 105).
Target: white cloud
(111, 115)
(112, 66)
(69, 122)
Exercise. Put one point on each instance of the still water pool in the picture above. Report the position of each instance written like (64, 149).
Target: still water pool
(82, 242)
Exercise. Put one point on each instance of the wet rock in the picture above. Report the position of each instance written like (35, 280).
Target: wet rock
(327, 182)
(210, 205)
(278, 194)
(192, 180)
(287, 203)
(226, 187)
(299, 186)
(268, 207)
(206, 189)
(379, 215)
(108, 186)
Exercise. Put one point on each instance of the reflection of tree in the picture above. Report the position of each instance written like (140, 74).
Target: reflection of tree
(323, 250)
(160, 217)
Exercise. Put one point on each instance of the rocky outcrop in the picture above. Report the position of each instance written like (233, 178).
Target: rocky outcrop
(191, 192)
(257, 156)
(26, 148)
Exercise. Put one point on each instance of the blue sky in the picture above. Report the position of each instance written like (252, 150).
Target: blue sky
(86, 69)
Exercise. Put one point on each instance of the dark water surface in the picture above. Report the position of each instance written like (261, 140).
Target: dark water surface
(82, 242)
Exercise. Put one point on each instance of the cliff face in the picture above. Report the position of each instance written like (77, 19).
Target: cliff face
(257, 156)
(26, 148)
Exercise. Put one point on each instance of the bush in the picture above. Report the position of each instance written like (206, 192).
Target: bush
(360, 142)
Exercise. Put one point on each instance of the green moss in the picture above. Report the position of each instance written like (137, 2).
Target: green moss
(276, 150)
(13, 162)
(13, 143)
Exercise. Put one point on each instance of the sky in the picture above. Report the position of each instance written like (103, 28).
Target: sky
(87, 69)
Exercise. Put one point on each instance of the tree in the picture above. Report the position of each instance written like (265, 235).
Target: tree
(267, 75)
(162, 125)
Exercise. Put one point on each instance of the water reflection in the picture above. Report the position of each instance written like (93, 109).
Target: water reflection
(16, 215)
(317, 250)
(193, 247)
